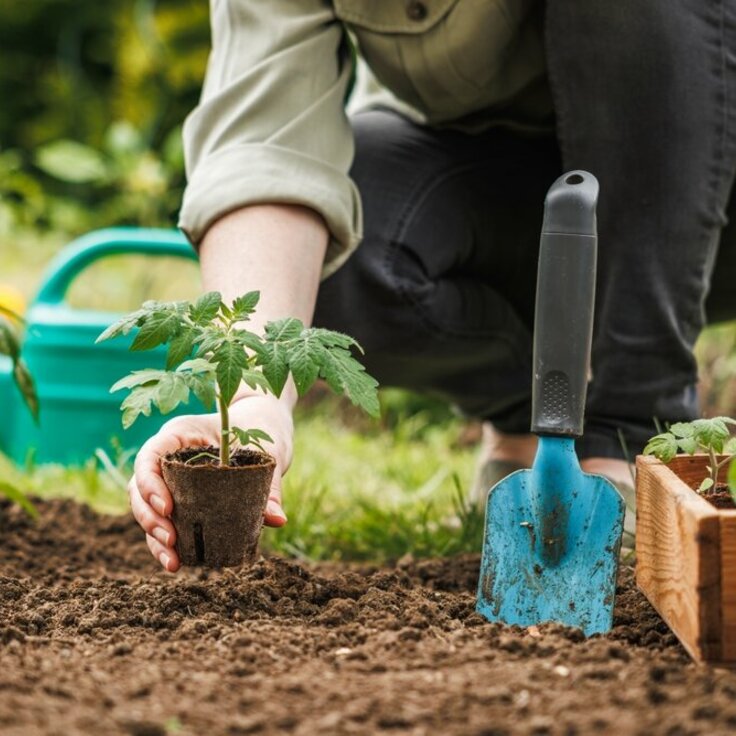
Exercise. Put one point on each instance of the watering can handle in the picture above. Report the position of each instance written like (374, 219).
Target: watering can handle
(563, 320)
(101, 243)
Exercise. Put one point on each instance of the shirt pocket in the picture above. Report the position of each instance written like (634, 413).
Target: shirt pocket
(447, 58)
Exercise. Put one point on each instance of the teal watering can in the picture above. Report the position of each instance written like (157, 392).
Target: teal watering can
(73, 376)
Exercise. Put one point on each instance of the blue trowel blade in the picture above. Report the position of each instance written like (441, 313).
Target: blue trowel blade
(551, 545)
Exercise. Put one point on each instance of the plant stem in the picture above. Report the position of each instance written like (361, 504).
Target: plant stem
(713, 466)
(726, 460)
(224, 433)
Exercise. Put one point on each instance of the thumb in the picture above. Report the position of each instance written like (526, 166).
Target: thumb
(274, 514)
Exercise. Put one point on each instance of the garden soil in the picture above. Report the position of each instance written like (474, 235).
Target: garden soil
(95, 639)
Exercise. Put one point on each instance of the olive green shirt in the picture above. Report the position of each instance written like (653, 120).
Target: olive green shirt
(272, 123)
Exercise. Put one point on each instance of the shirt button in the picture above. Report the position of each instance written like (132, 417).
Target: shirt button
(416, 10)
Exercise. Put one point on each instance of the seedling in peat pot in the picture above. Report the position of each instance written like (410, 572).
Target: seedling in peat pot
(709, 436)
(10, 347)
(220, 494)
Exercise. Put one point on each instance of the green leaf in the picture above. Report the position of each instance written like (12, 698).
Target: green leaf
(180, 347)
(283, 329)
(688, 445)
(7, 312)
(123, 139)
(210, 340)
(17, 496)
(245, 305)
(156, 329)
(705, 485)
(72, 162)
(330, 338)
(26, 386)
(172, 390)
(138, 378)
(9, 344)
(274, 354)
(137, 402)
(662, 446)
(730, 447)
(203, 388)
(682, 429)
(711, 433)
(198, 365)
(732, 480)
(249, 340)
(251, 437)
(346, 375)
(313, 352)
(256, 379)
(125, 324)
(305, 359)
(205, 309)
(200, 377)
(230, 360)
(275, 365)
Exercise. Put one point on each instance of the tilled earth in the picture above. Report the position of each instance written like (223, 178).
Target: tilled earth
(94, 639)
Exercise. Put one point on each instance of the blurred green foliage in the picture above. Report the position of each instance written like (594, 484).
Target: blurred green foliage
(94, 95)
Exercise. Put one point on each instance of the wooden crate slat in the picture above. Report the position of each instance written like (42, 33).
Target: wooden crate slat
(728, 572)
(678, 556)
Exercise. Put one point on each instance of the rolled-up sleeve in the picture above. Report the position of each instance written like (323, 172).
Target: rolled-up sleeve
(270, 126)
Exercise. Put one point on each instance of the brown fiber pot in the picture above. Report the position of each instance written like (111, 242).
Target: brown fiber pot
(218, 511)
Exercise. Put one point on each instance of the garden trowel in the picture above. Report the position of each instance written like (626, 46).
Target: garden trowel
(553, 533)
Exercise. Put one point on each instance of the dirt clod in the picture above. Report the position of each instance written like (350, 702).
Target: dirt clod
(95, 638)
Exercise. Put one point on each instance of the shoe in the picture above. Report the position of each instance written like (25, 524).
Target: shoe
(487, 474)
(628, 541)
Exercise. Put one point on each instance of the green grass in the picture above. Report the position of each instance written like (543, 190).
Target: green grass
(353, 494)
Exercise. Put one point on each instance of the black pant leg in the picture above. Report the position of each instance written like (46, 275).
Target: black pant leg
(440, 291)
(644, 93)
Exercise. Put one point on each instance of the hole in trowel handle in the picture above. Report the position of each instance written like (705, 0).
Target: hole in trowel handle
(199, 543)
(574, 179)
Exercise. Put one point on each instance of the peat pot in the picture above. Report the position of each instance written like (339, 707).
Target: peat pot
(686, 557)
(218, 511)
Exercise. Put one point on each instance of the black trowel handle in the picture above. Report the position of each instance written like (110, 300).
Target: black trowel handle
(563, 320)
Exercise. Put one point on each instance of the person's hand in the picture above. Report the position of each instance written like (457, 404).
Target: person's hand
(151, 500)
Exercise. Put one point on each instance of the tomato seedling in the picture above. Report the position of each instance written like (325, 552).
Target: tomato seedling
(210, 354)
(710, 436)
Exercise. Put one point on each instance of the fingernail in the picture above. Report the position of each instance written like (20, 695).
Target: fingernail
(162, 535)
(158, 504)
(163, 558)
(274, 509)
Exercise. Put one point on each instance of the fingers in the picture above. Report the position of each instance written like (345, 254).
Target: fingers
(155, 525)
(274, 514)
(150, 483)
(165, 555)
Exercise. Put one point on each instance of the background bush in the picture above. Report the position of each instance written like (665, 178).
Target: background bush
(105, 86)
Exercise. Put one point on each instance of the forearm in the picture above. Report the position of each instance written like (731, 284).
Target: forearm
(275, 249)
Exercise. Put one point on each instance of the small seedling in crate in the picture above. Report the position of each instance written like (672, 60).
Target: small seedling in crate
(709, 436)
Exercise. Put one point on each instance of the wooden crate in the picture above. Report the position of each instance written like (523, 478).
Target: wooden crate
(686, 557)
